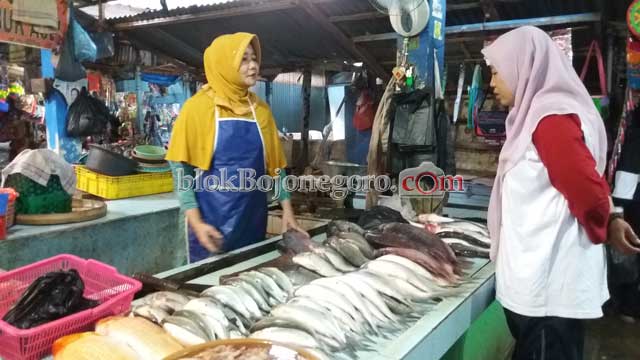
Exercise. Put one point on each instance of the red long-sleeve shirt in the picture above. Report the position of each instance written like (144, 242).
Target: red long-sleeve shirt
(572, 171)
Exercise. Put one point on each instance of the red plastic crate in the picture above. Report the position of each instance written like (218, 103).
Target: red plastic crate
(102, 282)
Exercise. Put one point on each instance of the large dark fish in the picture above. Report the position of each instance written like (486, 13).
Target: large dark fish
(337, 226)
(436, 268)
(408, 236)
(294, 242)
(379, 215)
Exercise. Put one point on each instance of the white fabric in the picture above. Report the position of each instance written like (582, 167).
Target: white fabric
(38, 165)
(625, 185)
(546, 264)
(36, 12)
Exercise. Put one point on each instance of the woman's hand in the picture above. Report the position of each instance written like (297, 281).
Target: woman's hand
(208, 236)
(622, 238)
(289, 218)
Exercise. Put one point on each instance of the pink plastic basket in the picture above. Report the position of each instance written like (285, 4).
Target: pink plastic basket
(102, 282)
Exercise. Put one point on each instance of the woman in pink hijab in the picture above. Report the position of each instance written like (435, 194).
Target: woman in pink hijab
(550, 211)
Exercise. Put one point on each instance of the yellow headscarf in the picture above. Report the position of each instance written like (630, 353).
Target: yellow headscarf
(193, 133)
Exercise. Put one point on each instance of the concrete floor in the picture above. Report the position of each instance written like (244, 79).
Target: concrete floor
(610, 338)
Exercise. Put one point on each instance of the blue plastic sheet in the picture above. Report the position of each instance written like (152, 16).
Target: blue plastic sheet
(162, 80)
(84, 47)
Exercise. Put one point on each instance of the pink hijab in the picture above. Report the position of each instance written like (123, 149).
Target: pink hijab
(544, 83)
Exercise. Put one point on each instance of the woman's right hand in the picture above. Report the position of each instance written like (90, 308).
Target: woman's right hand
(208, 236)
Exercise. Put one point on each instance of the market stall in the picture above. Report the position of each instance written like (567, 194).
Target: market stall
(430, 337)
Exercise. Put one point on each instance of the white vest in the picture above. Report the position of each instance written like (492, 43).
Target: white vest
(546, 264)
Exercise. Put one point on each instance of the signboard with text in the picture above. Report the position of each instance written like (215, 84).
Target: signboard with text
(29, 35)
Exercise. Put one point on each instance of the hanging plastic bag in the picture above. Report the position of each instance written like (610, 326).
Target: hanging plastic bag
(104, 44)
(86, 117)
(69, 68)
(84, 47)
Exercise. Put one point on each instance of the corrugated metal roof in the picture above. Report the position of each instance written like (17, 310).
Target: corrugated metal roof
(291, 36)
(131, 9)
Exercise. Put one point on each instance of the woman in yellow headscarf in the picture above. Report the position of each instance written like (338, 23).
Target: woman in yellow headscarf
(225, 131)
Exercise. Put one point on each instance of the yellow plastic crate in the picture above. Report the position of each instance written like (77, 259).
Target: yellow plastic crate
(120, 187)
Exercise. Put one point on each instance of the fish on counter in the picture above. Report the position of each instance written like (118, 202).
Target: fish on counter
(147, 339)
(334, 257)
(359, 241)
(463, 249)
(335, 227)
(91, 346)
(427, 262)
(470, 237)
(279, 277)
(300, 276)
(437, 257)
(316, 263)
(168, 301)
(294, 242)
(188, 328)
(348, 249)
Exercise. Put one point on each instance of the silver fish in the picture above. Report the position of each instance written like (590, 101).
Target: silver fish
(334, 258)
(335, 227)
(464, 249)
(209, 307)
(396, 270)
(288, 336)
(338, 314)
(348, 250)
(316, 263)
(235, 322)
(314, 318)
(279, 277)
(247, 301)
(270, 286)
(472, 237)
(166, 300)
(360, 242)
(369, 293)
(382, 284)
(150, 313)
(353, 297)
(406, 289)
(335, 298)
(256, 284)
(419, 270)
(184, 330)
(200, 320)
(255, 294)
(301, 276)
(228, 297)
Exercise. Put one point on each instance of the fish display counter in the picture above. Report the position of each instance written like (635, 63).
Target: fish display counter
(429, 333)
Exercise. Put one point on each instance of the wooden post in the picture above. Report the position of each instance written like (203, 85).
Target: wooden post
(306, 106)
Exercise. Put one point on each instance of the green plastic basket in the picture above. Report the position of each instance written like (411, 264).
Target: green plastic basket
(37, 199)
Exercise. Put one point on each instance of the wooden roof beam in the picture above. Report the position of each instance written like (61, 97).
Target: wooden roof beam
(496, 26)
(357, 17)
(343, 40)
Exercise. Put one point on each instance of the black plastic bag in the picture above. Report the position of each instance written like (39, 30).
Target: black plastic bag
(378, 215)
(69, 68)
(87, 116)
(51, 297)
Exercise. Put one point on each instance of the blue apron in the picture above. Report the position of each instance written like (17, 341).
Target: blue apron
(241, 217)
